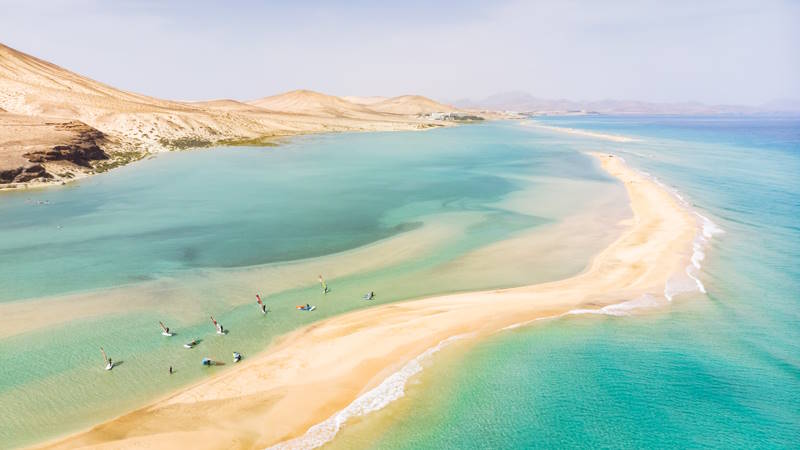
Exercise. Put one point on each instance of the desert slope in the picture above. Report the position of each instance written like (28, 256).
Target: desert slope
(34, 148)
(313, 103)
(133, 125)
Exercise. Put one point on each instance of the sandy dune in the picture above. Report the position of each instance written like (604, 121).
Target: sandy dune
(410, 105)
(320, 369)
(315, 103)
(135, 124)
(364, 100)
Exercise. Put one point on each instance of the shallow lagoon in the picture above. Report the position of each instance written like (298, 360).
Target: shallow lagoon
(715, 370)
(185, 235)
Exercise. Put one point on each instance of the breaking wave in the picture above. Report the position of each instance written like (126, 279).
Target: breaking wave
(391, 389)
(621, 309)
(689, 281)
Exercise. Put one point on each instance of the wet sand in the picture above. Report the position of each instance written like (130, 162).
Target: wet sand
(316, 371)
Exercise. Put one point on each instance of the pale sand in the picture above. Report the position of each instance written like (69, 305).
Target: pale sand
(318, 370)
(577, 132)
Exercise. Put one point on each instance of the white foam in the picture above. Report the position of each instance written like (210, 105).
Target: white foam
(682, 282)
(528, 322)
(688, 281)
(617, 309)
(391, 389)
(700, 286)
(708, 229)
(698, 255)
(621, 309)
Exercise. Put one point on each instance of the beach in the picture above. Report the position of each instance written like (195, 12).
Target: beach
(312, 373)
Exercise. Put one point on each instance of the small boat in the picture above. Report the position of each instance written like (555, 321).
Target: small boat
(211, 362)
(237, 357)
(368, 296)
(305, 307)
(191, 344)
(261, 304)
(109, 362)
(164, 330)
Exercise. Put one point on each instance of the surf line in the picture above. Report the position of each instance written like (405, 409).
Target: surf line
(392, 388)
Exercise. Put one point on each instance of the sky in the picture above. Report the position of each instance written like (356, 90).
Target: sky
(721, 52)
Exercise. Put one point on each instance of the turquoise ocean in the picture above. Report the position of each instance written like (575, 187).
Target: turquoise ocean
(713, 370)
(184, 235)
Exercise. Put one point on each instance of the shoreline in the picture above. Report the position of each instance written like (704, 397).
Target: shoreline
(584, 133)
(310, 374)
(39, 184)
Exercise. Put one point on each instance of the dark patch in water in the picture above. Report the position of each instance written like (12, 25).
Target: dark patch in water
(189, 254)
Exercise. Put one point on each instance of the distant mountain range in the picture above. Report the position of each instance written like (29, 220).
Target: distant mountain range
(524, 102)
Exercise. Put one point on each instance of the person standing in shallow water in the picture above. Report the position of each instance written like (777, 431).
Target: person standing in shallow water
(170, 370)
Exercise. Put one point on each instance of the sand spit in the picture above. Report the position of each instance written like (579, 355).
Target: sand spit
(585, 133)
(315, 372)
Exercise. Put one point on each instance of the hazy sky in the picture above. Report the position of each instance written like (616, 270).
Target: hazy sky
(727, 51)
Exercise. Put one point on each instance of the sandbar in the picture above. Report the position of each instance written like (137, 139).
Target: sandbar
(312, 373)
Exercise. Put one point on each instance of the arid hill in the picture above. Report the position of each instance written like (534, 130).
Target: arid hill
(411, 105)
(28, 144)
(364, 100)
(313, 103)
(51, 117)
